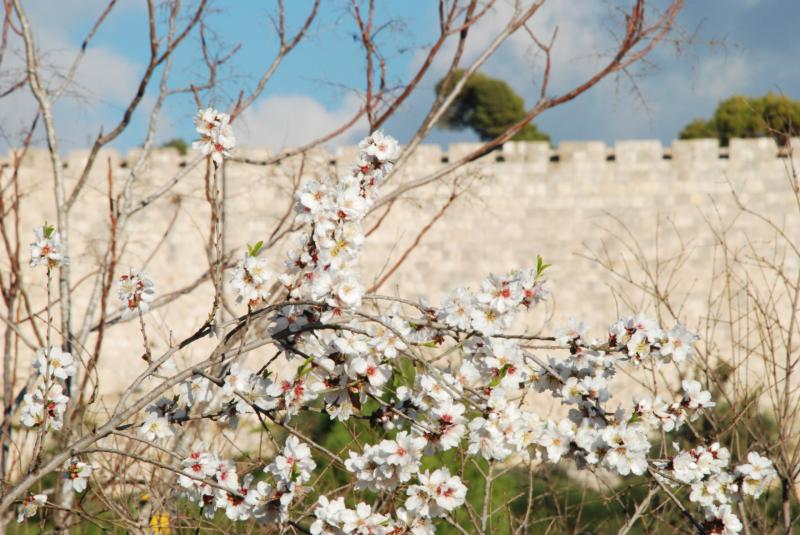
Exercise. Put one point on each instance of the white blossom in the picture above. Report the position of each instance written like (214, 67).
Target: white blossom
(627, 449)
(572, 332)
(380, 146)
(677, 343)
(135, 291)
(156, 427)
(77, 474)
(723, 521)
(47, 402)
(328, 515)
(30, 506)
(695, 397)
(294, 463)
(756, 475)
(216, 135)
(55, 363)
(437, 493)
(252, 280)
(363, 521)
(46, 250)
(556, 438)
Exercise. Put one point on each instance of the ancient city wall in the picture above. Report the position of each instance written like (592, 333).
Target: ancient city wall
(523, 200)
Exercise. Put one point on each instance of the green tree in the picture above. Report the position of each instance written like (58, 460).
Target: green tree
(775, 116)
(178, 144)
(488, 106)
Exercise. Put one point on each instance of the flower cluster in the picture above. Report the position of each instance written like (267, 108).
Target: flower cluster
(46, 250)
(384, 466)
(213, 483)
(290, 471)
(714, 487)
(323, 267)
(435, 494)
(492, 308)
(251, 392)
(251, 278)
(47, 403)
(617, 440)
(641, 339)
(334, 518)
(657, 413)
(216, 134)
(756, 475)
(135, 291)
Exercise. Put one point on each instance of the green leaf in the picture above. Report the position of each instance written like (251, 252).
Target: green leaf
(253, 250)
(306, 367)
(48, 230)
(540, 266)
(500, 376)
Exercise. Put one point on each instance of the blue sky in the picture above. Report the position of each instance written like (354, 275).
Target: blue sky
(736, 46)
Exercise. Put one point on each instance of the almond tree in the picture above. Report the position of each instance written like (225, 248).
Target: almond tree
(432, 380)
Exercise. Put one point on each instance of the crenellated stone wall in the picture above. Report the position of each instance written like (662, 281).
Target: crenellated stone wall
(523, 200)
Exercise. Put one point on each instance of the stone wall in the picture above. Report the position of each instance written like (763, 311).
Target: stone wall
(524, 200)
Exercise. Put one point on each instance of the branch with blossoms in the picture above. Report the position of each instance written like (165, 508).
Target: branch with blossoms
(439, 388)
(431, 380)
(750, 324)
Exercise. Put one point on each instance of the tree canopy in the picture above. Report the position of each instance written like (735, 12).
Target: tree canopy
(178, 144)
(775, 116)
(488, 106)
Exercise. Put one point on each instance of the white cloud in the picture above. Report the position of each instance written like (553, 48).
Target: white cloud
(58, 16)
(719, 77)
(582, 36)
(104, 83)
(280, 121)
(675, 88)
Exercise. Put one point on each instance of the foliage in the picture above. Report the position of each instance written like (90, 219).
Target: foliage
(178, 144)
(488, 106)
(775, 116)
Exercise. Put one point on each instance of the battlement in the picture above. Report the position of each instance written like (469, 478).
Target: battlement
(541, 155)
(523, 199)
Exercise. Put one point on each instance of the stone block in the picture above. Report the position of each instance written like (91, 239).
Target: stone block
(133, 155)
(456, 151)
(582, 152)
(752, 151)
(526, 151)
(166, 158)
(346, 155)
(76, 159)
(317, 157)
(36, 157)
(426, 155)
(249, 153)
(638, 153)
(695, 151)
